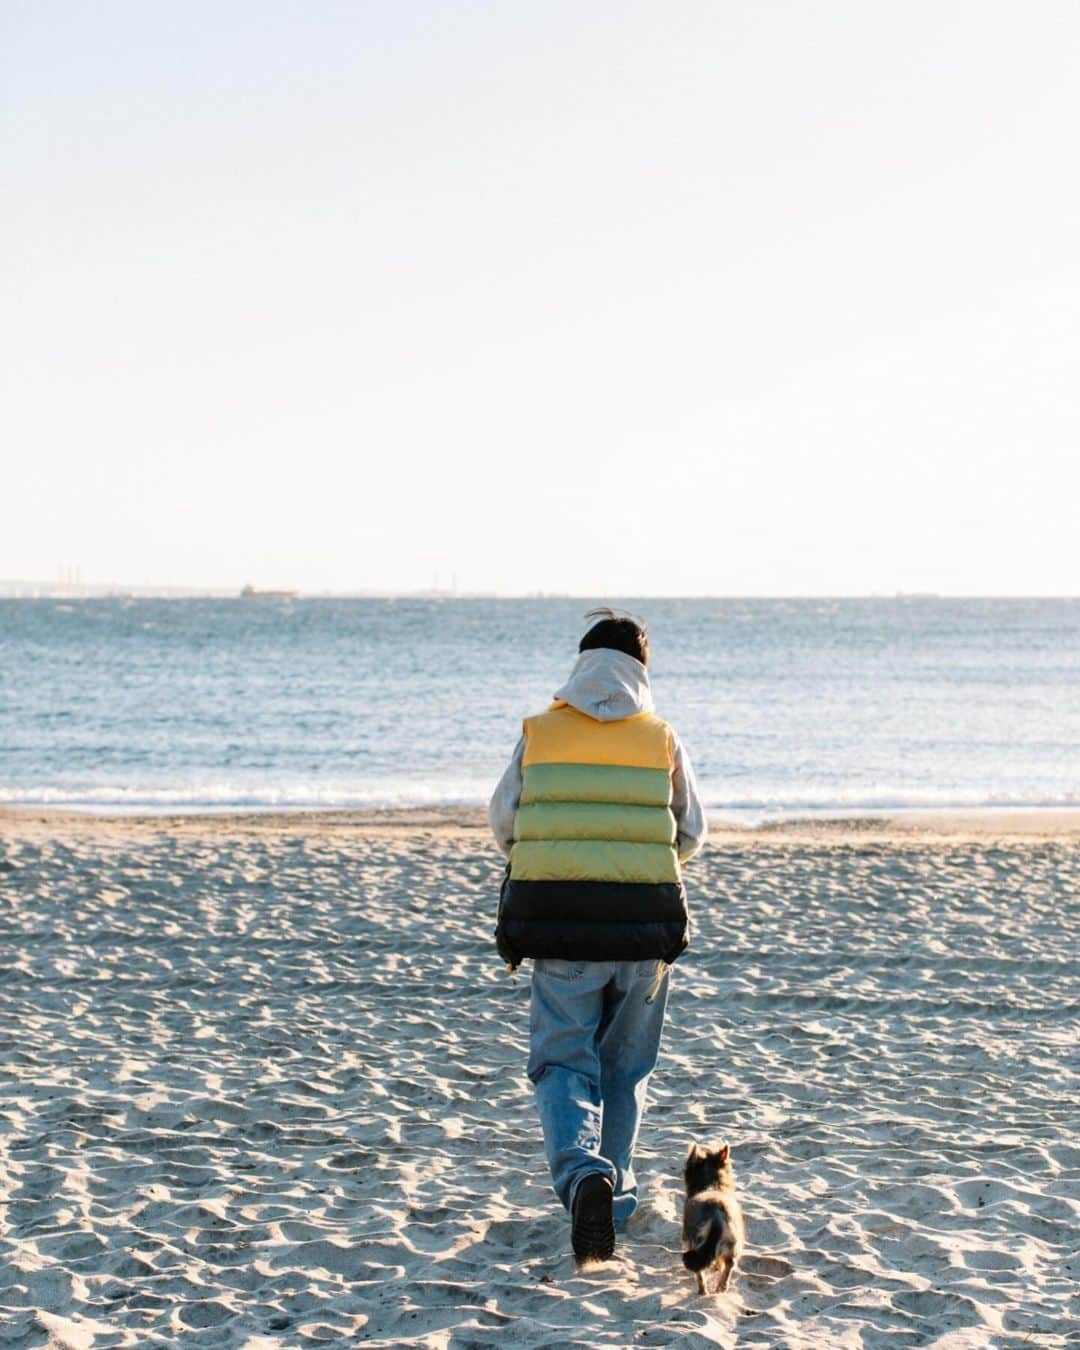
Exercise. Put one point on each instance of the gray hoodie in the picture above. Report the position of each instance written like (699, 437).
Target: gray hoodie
(608, 685)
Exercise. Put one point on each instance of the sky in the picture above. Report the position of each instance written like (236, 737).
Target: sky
(604, 299)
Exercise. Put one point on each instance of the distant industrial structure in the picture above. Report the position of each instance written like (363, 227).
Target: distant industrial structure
(69, 586)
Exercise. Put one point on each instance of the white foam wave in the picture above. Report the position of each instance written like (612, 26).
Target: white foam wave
(306, 796)
(230, 797)
(851, 800)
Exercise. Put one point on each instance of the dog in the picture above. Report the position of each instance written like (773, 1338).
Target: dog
(713, 1232)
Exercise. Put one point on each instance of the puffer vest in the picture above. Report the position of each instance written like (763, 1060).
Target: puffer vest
(594, 873)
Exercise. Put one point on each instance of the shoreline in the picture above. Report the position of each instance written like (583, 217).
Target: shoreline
(1007, 823)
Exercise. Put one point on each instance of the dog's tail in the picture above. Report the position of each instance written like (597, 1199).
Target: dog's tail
(712, 1243)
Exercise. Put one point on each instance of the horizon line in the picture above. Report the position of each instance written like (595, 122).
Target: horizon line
(52, 590)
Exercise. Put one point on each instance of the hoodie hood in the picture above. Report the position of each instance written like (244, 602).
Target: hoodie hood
(607, 685)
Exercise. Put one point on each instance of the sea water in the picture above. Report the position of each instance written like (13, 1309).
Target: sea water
(787, 707)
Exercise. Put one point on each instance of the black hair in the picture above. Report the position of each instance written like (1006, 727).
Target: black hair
(619, 632)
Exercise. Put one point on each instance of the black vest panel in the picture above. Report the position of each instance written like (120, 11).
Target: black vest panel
(591, 921)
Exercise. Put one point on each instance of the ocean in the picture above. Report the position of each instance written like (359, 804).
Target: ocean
(787, 707)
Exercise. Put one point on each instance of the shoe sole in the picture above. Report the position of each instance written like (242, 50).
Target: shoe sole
(593, 1233)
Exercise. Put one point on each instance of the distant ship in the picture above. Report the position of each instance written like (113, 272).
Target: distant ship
(250, 593)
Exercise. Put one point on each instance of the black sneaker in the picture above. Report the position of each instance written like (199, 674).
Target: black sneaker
(593, 1232)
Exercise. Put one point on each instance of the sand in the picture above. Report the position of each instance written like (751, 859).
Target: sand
(263, 1086)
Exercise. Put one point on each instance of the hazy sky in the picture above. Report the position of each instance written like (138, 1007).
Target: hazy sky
(589, 297)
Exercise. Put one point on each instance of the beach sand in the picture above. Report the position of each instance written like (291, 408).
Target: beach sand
(263, 1085)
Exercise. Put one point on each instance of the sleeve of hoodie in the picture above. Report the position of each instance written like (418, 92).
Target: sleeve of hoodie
(693, 829)
(504, 801)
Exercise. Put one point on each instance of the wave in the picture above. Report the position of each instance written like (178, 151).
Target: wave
(230, 797)
(847, 801)
(783, 803)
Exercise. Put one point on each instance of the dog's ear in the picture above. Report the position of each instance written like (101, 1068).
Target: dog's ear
(695, 1152)
(722, 1154)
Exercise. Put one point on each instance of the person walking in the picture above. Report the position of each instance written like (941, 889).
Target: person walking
(597, 811)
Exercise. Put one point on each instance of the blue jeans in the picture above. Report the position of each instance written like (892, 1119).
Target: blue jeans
(594, 1036)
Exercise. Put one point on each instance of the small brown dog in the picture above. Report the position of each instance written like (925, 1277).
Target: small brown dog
(713, 1231)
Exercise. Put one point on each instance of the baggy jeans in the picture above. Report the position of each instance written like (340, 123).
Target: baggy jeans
(594, 1036)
